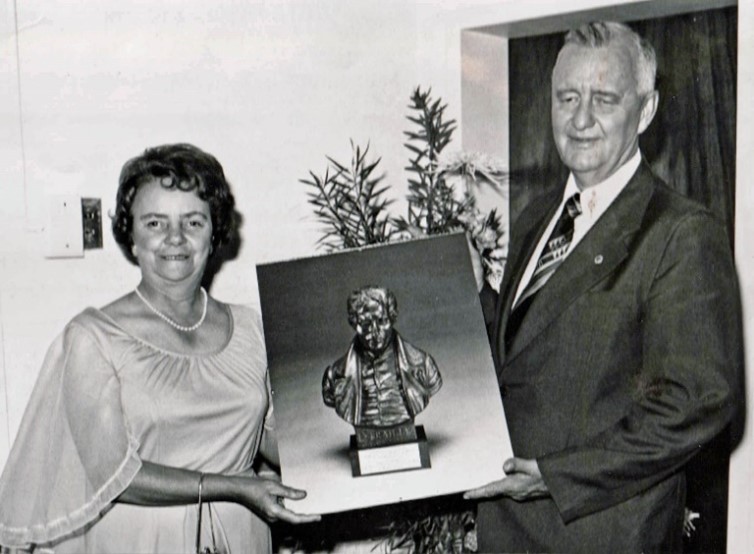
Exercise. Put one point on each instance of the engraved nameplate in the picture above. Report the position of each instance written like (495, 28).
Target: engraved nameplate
(371, 437)
(387, 459)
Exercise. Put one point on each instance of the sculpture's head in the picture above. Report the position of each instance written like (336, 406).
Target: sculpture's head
(372, 311)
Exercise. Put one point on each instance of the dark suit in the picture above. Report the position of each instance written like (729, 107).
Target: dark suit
(625, 363)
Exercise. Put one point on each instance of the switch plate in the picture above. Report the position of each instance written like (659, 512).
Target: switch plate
(91, 215)
(63, 231)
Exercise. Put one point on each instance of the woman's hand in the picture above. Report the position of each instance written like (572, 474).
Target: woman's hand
(160, 485)
(265, 497)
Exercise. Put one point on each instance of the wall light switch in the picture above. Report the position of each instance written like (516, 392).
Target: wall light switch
(64, 223)
(91, 212)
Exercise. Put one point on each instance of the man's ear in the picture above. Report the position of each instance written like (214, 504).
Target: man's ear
(648, 110)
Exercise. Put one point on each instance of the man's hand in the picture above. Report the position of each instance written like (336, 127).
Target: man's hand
(523, 482)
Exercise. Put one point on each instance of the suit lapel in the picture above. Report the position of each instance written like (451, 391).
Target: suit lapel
(596, 256)
(533, 224)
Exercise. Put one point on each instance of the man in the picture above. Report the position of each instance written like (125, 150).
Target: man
(382, 380)
(617, 336)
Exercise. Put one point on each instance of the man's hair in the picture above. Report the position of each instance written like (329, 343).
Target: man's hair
(360, 297)
(602, 33)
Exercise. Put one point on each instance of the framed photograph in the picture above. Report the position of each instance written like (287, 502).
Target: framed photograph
(384, 388)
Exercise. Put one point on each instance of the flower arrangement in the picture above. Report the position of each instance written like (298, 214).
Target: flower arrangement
(459, 171)
(350, 199)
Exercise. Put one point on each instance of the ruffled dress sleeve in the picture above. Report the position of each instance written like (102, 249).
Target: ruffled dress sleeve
(74, 453)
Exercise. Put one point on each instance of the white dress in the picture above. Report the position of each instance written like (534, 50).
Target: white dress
(104, 401)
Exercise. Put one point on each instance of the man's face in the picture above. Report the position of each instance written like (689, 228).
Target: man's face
(373, 326)
(597, 113)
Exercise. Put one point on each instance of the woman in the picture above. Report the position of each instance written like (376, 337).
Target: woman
(157, 402)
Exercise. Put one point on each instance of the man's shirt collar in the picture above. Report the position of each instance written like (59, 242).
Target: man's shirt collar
(597, 198)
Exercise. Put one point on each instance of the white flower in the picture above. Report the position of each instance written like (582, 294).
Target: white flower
(480, 167)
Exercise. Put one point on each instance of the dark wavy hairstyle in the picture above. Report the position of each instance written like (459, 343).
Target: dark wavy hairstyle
(175, 166)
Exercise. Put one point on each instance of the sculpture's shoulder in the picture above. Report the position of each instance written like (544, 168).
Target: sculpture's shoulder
(338, 367)
(415, 355)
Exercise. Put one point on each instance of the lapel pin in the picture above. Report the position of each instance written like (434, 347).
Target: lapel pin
(598, 259)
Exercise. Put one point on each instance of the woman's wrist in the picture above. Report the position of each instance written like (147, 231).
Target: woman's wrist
(224, 488)
(215, 488)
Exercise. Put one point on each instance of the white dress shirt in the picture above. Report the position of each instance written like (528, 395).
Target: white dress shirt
(594, 201)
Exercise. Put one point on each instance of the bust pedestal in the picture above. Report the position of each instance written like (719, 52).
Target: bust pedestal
(375, 450)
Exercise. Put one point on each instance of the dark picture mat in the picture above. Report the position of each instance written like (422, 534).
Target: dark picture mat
(306, 329)
(405, 268)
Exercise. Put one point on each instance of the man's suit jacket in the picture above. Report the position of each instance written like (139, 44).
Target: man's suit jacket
(626, 362)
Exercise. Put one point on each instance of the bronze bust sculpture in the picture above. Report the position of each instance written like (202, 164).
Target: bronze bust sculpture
(382, 380)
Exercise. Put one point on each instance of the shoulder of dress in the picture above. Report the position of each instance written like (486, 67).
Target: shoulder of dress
(90, 319)
(247, 320)
(244, 311)
(87, 329)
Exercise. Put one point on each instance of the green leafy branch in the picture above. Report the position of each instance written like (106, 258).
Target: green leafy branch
(350, 203)
(432, 207)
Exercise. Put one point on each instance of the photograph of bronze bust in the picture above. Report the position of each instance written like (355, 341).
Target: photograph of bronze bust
(382, 380)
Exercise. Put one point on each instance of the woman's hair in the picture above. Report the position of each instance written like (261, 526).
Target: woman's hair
(175, 166)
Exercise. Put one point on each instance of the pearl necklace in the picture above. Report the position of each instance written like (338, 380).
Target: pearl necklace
(172, 323)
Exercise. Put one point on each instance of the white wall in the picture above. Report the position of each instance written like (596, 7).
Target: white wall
(741, 500)
(269, 88)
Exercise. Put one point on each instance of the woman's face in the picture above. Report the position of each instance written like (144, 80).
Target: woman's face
(172, 234)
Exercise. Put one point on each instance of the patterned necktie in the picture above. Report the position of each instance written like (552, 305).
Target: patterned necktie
(555, 249)
(551, 257)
